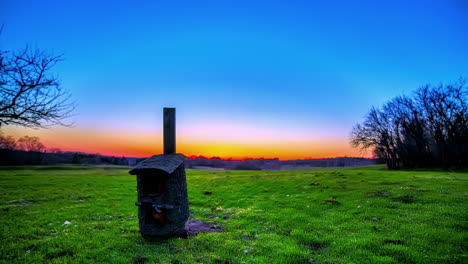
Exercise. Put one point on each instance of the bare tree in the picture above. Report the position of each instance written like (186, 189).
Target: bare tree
(375, 133)
(30, 95)
(429, 128)
(7, 142)
(446, 112)
(27, 143)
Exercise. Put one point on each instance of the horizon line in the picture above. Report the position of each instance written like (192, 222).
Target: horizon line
(216, 157)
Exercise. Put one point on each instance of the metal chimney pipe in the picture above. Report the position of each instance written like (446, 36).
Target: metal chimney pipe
(169, 131)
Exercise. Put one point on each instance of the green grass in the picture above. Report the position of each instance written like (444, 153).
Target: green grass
(366, 215)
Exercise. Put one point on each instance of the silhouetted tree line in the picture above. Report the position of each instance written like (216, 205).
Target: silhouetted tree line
(428, 128)
(273, 164)
(30, 151)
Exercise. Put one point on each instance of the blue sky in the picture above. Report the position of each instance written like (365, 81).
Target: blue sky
(305, 68)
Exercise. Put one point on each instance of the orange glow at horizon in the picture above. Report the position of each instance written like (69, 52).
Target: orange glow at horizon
(138, 144)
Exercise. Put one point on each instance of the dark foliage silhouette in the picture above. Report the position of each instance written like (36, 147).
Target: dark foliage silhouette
(429, 128)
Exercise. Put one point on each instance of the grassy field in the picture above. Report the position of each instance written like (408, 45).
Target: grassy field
(366, 215)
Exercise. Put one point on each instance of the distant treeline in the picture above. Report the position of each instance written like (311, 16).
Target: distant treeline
(275, 164)
(30, 151)
(21, 157)
(427, 129)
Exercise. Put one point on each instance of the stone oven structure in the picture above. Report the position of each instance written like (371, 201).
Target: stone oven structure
(162, 195)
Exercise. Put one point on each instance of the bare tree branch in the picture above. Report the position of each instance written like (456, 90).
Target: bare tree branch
(30, 95)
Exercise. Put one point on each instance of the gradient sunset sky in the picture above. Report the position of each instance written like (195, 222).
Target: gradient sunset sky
(285, 79)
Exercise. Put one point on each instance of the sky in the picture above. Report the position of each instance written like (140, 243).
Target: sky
(285, 79)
